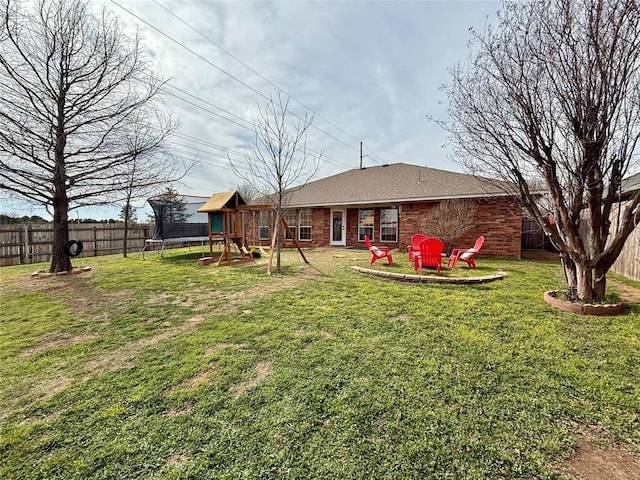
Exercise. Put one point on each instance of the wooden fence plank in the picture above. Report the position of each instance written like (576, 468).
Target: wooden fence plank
(31, 243)
(628, 262)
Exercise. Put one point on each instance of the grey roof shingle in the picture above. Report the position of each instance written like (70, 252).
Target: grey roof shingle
(398, 182)
(631, 184)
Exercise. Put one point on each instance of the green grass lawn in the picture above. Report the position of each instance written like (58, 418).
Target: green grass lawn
(161, 368)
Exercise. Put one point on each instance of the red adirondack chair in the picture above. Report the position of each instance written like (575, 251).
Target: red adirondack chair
(414, 248)
(430, 255)
(466, 255)
(378, 252)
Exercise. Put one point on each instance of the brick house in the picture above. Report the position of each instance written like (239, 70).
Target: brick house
(388, 203)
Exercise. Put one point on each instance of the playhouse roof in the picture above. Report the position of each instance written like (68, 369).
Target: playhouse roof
(222, 200)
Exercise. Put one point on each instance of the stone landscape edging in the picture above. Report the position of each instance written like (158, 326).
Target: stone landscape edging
(402, 277)
(74, 271)
(601, 310)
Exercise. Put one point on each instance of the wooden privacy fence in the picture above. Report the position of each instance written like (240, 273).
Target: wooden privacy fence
(31, 243)
(628, 262)
(533, 237)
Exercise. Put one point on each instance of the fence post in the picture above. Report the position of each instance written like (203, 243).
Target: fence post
(95, 241)
(23, 254)
(28, 250)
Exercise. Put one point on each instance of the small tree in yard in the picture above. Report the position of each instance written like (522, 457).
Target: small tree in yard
(247, 192)
(279, 159)
(145, 174)
(72, 89)
(171, 206)
(551, 95)
(449, 220)
(128, 215)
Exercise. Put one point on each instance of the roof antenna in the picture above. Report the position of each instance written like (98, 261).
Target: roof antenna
(361, 156)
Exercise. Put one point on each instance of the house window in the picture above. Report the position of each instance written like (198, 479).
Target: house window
(305, 224)
(365, 224)
(264, 224)
(388, 224)
(291, 217)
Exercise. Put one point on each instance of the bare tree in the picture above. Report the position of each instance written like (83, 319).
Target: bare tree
(450, 220)
(71, 86)
(170, 207)
(128, 214)
(279, 160)
(247, 192)
(146, 173)
(551, 95)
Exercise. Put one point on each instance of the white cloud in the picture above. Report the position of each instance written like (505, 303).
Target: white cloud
(372, 68)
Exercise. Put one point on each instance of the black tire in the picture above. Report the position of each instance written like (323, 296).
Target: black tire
(73, 248)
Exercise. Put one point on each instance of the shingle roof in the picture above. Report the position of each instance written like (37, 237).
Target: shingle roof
(631, 184)
(221, 200)
(398, 182)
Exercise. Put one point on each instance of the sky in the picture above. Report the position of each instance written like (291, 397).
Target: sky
(367, 71)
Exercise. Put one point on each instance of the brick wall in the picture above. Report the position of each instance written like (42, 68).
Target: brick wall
(320, 229)
(499, 220)
(411, 218)
(352, 228)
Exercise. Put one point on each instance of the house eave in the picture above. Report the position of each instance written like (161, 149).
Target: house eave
(399, 200)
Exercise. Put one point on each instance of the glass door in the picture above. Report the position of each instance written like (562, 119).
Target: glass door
(338, 227)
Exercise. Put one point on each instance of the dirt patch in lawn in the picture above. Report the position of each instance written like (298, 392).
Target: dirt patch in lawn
(52, 284)
(322, 262)
(53, 387)
(628, 293)
(238, 299)
(108, 304)
(119, 359)
(203, 377)
(122, 357)
(181, 410)
(222, 346)
(176, 460)
(263, 370)
(302, 333)
(52, 341)
(593, 461)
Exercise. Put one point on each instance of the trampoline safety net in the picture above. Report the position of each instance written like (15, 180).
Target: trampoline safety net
(176, 216)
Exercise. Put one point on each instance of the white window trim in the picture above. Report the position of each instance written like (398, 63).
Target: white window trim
(372, 227)
(310, 226)
(384, 226)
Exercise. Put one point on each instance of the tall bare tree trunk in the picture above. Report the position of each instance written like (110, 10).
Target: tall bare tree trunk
(599, 281)
(127, 215)
(60, 261)
(124, 240)
(583, 281)
(277, 239)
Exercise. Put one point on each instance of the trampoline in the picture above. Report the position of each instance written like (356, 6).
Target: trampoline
(177, 222)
